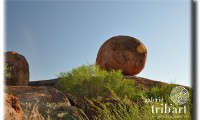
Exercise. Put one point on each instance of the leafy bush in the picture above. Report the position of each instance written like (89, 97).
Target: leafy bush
(91, 82)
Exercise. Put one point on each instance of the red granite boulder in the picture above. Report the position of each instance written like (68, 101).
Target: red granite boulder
(122, 52)
(12, 108)
(18, 68)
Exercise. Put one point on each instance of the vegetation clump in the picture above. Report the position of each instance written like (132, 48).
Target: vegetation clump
(92, 82)
(110, 96)
(7, 70)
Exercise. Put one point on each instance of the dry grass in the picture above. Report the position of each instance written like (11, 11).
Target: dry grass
(50, 111)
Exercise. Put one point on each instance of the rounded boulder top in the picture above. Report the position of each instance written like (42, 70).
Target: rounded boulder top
(18, 68)
(122, 53)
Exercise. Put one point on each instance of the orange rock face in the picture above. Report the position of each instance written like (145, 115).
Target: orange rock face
(12, 108)
(122, 53)
(19, 69)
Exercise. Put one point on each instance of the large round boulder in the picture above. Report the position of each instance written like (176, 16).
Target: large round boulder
(122, 53)
(17, 69)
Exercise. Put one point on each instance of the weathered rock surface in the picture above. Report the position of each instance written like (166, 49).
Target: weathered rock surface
(122, 52)
(12, 108)
(19, 69)
(44, 102)
(144, 82)
(41, 94)
(51, 82)
(148, 83)
(140, 81)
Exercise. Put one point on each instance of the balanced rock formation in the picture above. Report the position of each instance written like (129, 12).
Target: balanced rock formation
(18, 67)
(12, 108)
(122, 53)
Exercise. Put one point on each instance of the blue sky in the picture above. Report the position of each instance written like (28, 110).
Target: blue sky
(56, 36)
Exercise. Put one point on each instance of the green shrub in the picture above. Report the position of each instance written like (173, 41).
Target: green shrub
(90, 82)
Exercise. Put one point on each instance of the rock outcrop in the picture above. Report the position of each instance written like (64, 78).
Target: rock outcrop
(122, 52)
(40, 94)
(140, 81)
(12, 108)
(18, 68)
(42, 102)
(51, 82)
